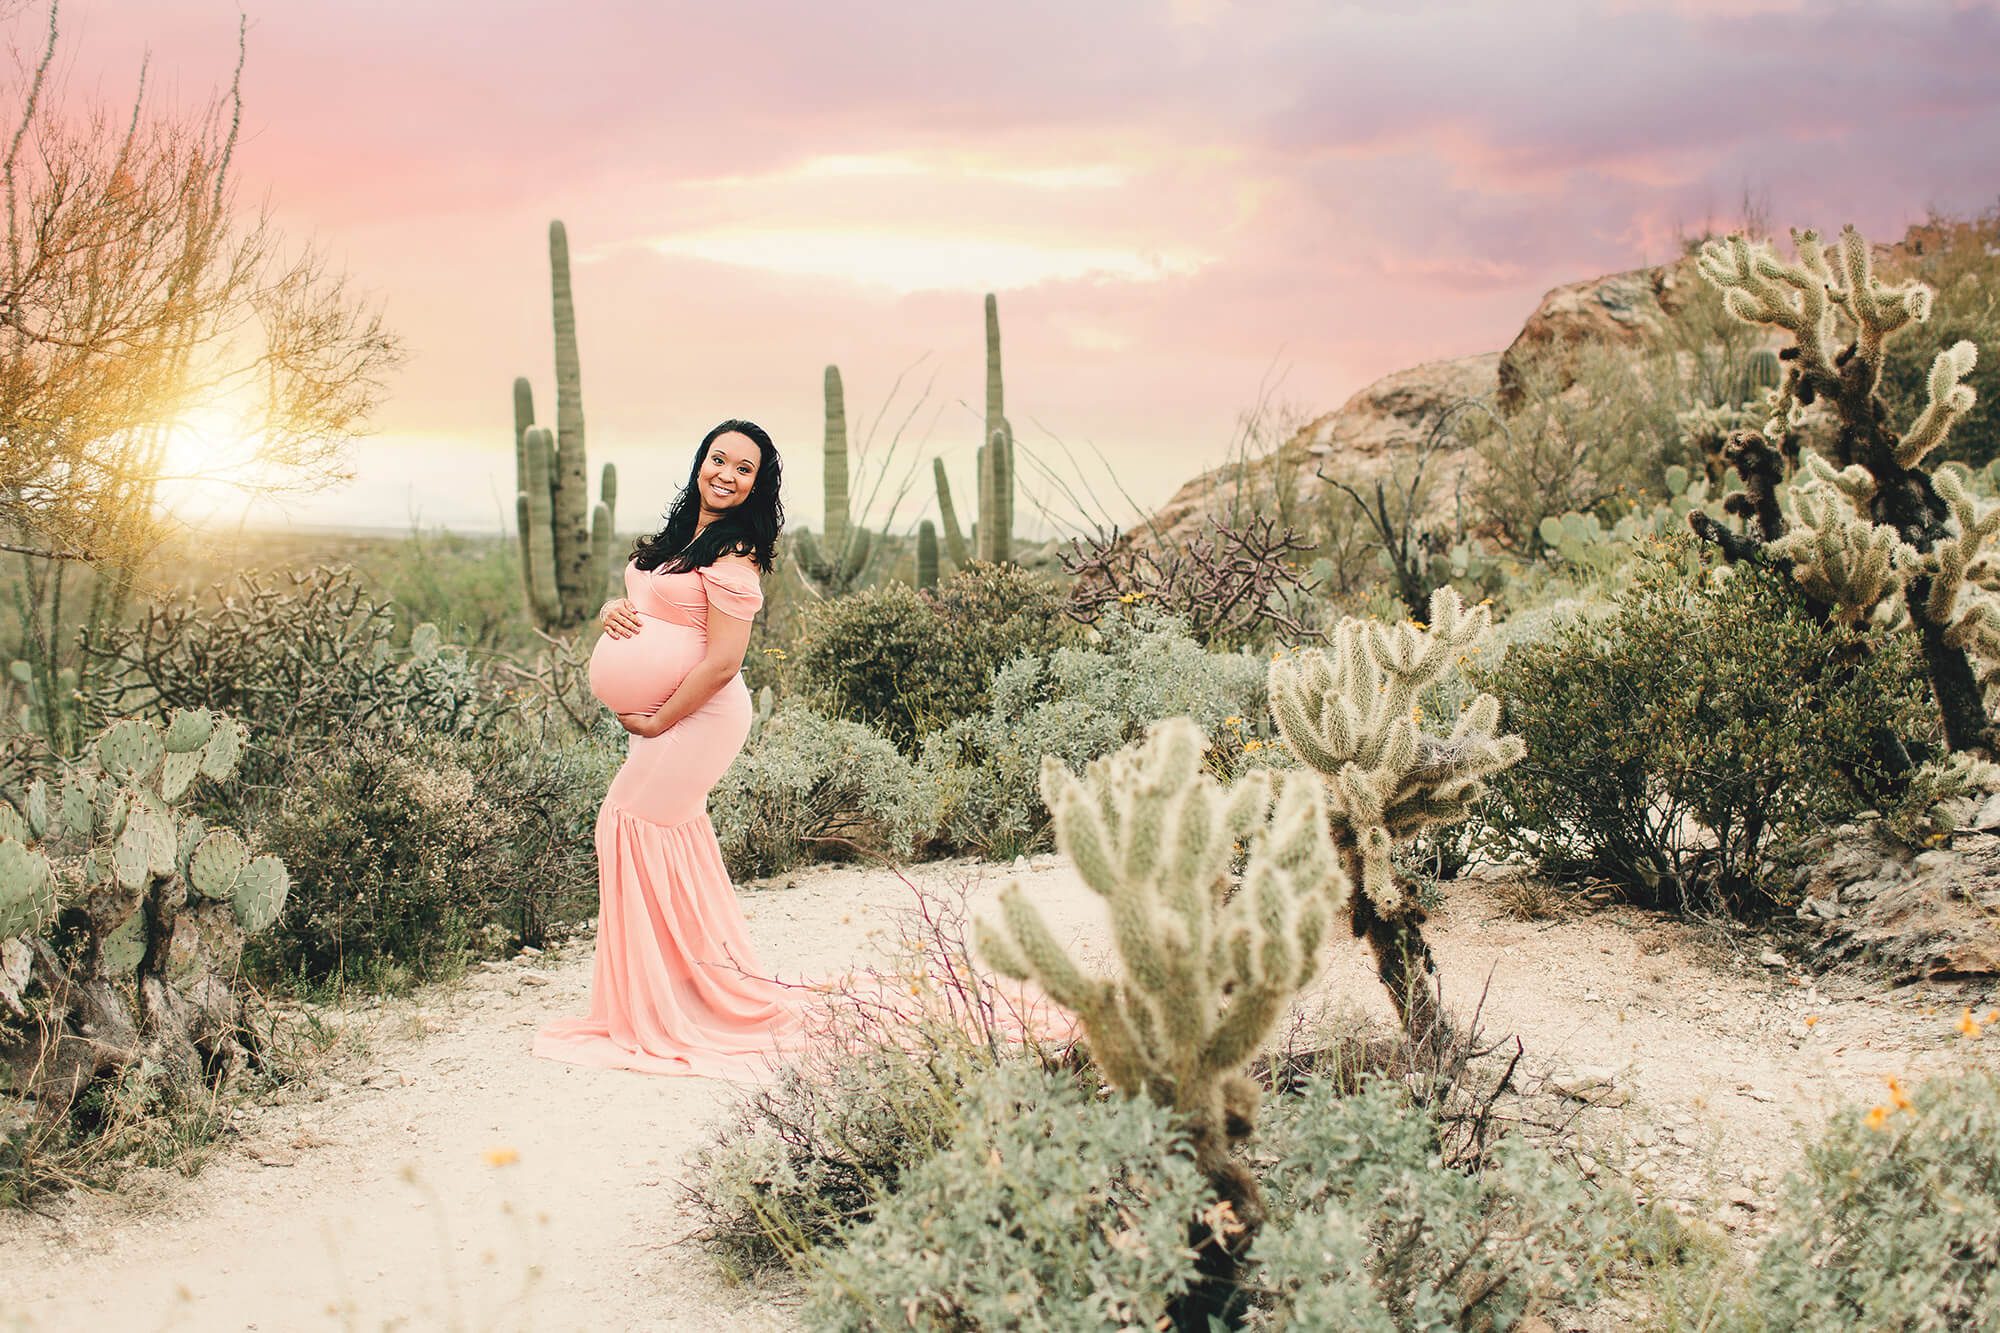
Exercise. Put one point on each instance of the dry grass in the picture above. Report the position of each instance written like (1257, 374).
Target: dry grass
(1527, 897)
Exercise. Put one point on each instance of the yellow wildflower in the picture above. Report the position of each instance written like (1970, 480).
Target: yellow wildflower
(1968, 1026)
(1896, 1093)
(1877, 1117)
(1252, 744)
(502, 1157)
(1812, 1020)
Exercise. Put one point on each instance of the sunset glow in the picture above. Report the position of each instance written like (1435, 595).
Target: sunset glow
(1175, 203)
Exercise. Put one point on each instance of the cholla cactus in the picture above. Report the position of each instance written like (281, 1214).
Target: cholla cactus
(1837, 554)
(161, 907)
(1352, 714)
(1875, 523)
(1204, 972)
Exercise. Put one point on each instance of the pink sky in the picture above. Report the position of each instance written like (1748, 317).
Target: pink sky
(1176, 201)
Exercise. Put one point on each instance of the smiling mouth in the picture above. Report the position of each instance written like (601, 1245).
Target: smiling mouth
(722, 493)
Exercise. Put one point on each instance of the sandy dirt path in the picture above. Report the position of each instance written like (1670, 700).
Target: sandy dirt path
(368, 1201)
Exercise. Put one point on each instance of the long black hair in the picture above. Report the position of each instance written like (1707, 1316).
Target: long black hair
(750, 528)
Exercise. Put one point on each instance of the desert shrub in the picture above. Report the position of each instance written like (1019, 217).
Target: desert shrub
(1675, 743)
(1237, 584)
(814, 788)
(875, 657)
(907, 662)
(1369, 1231)
(1050, 1208)
(410, 855)
(876, 1092)
(1078, 703)
(816, 1150)
(1894, 1222)
(469, 586)
(1586, 427)
(300, 658)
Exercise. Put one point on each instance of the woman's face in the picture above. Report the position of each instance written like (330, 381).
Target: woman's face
(728, 472)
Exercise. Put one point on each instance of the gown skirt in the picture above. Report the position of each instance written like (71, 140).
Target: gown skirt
(676, 987)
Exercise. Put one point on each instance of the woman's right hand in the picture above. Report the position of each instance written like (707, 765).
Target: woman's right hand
(619, 618)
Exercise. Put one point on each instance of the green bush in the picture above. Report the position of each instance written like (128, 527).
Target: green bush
(1369, 1231)
(1708, 721)
(1050, 1208)
(1079, 703)
(907, 662)
(876, 1092)
(410, 855)
(814, 788)
(815, 1151)
(1894, 1222)
(1024, 1199)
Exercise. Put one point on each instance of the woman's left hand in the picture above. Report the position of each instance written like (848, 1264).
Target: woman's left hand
(640, 724)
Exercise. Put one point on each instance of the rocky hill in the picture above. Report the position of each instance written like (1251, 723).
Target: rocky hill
(1357, 442)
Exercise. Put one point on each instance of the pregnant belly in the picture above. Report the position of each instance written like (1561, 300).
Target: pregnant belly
(638, 674)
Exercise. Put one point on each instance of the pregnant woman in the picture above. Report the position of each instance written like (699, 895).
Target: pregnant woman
(676, 988)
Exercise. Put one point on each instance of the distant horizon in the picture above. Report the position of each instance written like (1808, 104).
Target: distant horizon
(1184, 209)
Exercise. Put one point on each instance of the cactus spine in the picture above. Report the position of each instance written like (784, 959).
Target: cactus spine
(1352, 713)
(927, 555)
(1207, 962)
(566, 542)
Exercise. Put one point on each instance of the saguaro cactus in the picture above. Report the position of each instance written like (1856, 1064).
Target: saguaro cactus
(1873, 522)
(1207, 961)
(927, 555)
(1352, 714)
(156, 909)
(948, 515)
(837, 565)
(565, 575)
(993, 464)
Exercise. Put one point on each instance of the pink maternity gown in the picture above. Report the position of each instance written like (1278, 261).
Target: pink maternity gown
(676, 988)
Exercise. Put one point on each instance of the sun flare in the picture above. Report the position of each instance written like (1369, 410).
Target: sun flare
(208, 459)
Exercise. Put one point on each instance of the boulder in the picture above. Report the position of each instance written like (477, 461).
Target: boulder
(1911, 915)
(1356, 443)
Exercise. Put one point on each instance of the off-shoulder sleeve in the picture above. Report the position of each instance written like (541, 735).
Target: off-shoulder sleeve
(732, 588)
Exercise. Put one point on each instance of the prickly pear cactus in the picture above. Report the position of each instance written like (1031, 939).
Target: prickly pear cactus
(260, 893)
(189, 730)
(217, 864)
(130, 751)
(27, 891)
(159, 902)
(223, 751)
